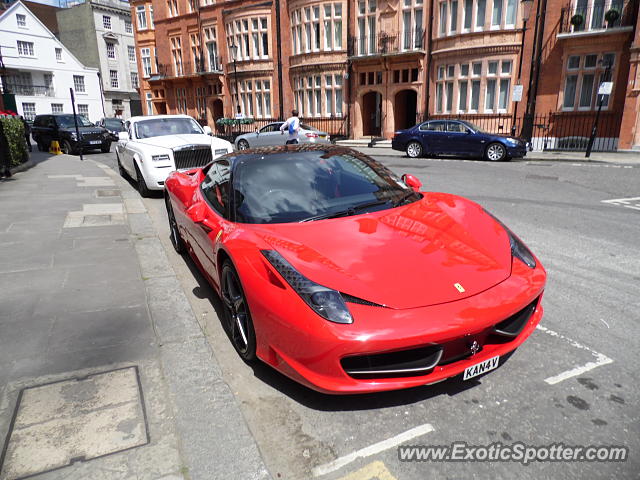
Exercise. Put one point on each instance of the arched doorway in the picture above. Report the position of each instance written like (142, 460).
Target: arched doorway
(405, 108)
(371, 114)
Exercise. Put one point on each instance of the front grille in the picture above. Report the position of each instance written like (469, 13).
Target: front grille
(193, 156)
(404, 363)
(512, 326)
(91, 136)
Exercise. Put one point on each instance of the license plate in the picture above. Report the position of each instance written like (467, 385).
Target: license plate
(480, 368)
(95, 142)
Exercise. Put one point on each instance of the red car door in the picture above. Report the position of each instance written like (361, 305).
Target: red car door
(207, 215)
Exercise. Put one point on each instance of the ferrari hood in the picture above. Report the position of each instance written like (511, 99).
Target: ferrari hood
(440, 249)
(173, 141)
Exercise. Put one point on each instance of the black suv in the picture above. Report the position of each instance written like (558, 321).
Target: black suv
(62, 128)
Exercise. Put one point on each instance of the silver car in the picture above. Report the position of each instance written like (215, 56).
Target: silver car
(270, 136)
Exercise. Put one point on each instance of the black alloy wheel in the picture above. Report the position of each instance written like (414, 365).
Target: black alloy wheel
(237, 315)
(174, 234)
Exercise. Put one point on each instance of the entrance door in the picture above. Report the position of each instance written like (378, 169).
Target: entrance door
(371, 114)
(405, 108)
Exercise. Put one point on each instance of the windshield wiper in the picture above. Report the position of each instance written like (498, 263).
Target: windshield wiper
(346, 212)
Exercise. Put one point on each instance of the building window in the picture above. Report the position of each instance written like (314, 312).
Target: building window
(191, 6)
(211, 42)
(181, 100)
(201, 102)
(59, 54)
(412, 31)
(149, 103)
(583, 77)
(21, 20)
(481, 12)
(111, 50)
(134, 80)
(142, 17)
(198, 62)
(78, 83)
(106, 22)
(320, 95)
(131, 52)
(145, 55)
(172, 7)
(250, 36)
(113, 77)
(29, 111)
(151, 24)
(25, 49)
(57, 108)
(367, 27)
(128, 28)
(468, 15)
(176, 55)
(83, 110)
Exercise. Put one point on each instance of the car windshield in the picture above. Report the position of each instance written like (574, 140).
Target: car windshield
(158, 127)
(113, 124)
(301, 186)
(66, 121)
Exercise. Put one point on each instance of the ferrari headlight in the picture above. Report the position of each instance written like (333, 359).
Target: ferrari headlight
(324, 301)
(160, 158)
(518, 248)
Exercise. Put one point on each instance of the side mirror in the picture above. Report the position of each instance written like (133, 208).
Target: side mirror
(207, 130)
(412, 181)
(123, 136)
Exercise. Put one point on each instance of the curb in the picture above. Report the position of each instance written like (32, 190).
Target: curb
(213, 431)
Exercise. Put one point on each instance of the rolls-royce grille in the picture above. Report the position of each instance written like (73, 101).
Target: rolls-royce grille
(193, 156)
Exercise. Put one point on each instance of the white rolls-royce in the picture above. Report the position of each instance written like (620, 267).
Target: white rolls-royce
(151, 147)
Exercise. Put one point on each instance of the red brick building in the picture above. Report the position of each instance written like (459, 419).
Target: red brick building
(370, 67)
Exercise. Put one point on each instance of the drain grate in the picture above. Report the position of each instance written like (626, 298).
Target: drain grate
(57, 424)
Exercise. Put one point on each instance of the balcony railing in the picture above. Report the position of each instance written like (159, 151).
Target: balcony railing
(600, 15)
(29, 90)
(384, 43)
(187, 68)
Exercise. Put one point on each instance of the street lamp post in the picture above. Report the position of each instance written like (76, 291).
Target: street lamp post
(234, 50)
(525, 12)
(594, 129)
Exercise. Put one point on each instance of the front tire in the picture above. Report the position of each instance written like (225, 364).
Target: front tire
(174, 235)
(66, 148)
(236, 313)
(496, 152)
(142, 185)
(414, 149)
(121, 170)
(243, 145)
(106, 147)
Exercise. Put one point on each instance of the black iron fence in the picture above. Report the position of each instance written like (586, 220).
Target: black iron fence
(336, 127)
(382, 43)
(551, 131)
(29, 90)
(597, 16)
(187, 68)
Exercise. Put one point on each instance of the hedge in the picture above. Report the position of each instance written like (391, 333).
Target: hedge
(14, 132)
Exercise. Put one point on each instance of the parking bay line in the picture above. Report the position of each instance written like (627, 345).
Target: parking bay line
(601, 359)
(372, 449)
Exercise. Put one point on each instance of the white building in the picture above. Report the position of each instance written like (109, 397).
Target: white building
(100, 34)
(39, 70)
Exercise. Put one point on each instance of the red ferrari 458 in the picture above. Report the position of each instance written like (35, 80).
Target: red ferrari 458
(348, 278)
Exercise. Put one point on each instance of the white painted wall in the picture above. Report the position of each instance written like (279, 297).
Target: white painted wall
(44, 61)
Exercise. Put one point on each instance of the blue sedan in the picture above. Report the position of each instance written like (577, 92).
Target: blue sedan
(457, 138)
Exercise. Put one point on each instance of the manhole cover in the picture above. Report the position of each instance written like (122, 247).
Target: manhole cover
(73, 420)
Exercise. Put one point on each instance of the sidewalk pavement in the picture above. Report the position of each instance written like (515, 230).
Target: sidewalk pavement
(384, 149)
(104, 371)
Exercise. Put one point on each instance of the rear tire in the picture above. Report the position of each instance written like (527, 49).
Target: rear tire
(414, 149)
(495, 152)
(237, 316)
(243, 145)
(142, 185)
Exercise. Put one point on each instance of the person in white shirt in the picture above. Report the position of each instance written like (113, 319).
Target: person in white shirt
(292, 125)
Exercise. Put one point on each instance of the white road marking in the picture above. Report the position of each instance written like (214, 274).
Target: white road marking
(340, 462)
(632, 202)
(601, 359)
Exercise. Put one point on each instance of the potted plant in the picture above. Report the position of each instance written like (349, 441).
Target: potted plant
(611, 17)
(577, 20)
